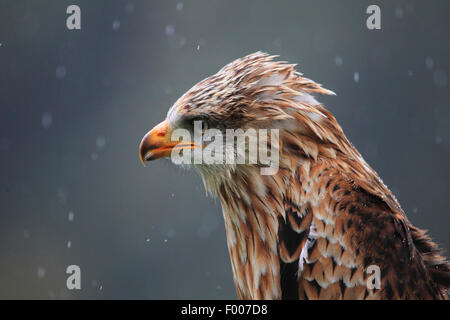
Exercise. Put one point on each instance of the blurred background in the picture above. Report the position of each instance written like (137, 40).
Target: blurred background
(74, 106)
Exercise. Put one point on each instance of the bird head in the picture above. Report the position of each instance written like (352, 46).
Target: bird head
(250, 96)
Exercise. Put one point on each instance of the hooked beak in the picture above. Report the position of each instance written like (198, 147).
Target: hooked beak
(157, 143)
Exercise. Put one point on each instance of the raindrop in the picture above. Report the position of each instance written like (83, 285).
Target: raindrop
(40, 272)
(69, 244)
(338, 60)
(100, 142)
(165, 240)
(198, 47)
(440, 78)
(61, 72)
(415, 210)
(170, 30)
(116, 25)
(70, 216)
(179, 6)
(46, 120)
(147, 240)
(101, 288)
(356, 76)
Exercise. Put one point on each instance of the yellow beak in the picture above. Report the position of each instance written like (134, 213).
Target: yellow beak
(157, 143)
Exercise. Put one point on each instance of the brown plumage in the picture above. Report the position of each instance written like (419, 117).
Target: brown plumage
(311, 230)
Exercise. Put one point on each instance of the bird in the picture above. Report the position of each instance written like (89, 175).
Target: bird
(323, 225)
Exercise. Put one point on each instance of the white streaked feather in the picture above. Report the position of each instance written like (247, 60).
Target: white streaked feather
(306, 98)
(312, 237)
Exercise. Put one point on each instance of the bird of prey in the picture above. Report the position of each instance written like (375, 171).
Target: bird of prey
(324, 222)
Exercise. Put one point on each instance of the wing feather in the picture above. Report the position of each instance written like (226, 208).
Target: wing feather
(329, 238)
